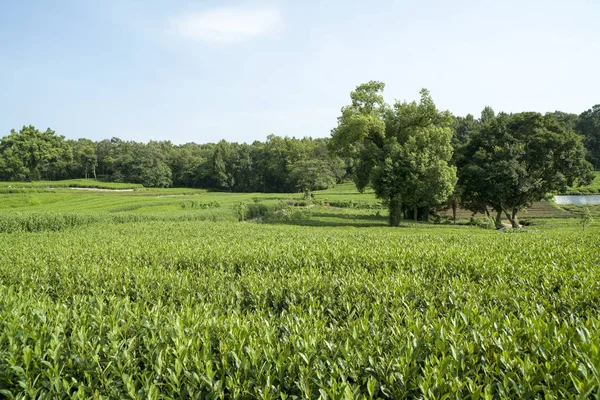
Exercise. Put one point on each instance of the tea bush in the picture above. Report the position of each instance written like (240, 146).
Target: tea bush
(192, 309)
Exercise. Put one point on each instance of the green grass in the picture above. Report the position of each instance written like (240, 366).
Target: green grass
(163, 294)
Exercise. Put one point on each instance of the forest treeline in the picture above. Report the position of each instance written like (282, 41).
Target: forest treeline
(416, 157)
(279, 164)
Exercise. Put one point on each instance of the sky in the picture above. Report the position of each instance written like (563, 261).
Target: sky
(202, 71)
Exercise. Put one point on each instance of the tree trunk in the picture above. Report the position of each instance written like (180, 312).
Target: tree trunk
(454, 208)
(512, 218)
(395, 212)
(94, 172)
(34, 173)
(515, 221)
(415, 213)
(499, 219)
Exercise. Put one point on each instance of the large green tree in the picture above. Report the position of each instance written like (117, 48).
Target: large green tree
(32, 154)
(311, 174)
(222, 165)
(404, 150)
(515, 160)
(85, 157)
(464, 128)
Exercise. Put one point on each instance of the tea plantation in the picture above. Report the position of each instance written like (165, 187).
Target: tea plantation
(168, 300)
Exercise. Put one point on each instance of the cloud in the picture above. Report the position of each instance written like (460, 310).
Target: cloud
(226, 25)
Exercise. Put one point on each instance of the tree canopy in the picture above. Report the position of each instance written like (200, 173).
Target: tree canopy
(516, 159)
(280, 164)
(588, 124)
(403, 151)
(32, 154)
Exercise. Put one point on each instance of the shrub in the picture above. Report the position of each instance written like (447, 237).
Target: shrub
(483, 222)
(257, 210)
(355, 204)
(239, 211)
(192, 204)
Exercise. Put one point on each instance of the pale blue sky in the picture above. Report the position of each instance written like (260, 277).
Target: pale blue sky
(206, 70)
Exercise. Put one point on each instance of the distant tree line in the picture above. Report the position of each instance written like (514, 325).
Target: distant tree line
(417, 158)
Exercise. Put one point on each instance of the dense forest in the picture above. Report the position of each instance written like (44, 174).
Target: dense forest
(276, 165)
(416, 157)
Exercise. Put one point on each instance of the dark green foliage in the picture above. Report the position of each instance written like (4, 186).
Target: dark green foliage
(85, 158)
(515, 160)
(592, 187)
(312, 174)
(588, 125)
(32, 155)
(278, 165)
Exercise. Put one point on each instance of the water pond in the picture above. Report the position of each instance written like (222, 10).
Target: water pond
(581, 200)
